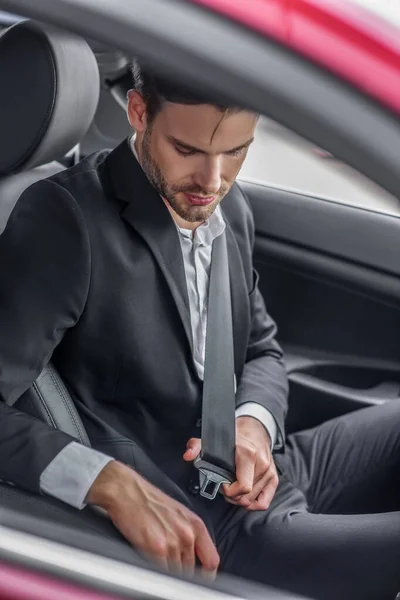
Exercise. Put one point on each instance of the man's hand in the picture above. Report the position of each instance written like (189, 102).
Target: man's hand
(152, 522)
(256, 476)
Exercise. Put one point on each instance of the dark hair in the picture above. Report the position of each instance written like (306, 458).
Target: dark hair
(156, 90)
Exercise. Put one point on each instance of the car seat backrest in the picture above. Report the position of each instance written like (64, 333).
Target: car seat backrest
(12, 187)
(48, 98)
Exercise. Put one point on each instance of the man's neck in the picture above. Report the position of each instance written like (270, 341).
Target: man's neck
(181, 222)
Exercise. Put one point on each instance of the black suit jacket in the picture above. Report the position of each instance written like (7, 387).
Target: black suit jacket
(92, 277)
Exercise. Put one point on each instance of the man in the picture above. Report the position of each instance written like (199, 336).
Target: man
(105, 270)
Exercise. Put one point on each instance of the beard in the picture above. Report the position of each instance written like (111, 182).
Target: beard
(191, 214)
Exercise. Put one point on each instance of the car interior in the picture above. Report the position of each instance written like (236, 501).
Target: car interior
(329, 272)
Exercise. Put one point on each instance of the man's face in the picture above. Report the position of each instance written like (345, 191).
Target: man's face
(192, 154)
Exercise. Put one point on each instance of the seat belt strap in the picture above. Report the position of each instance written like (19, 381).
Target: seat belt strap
(216, 462)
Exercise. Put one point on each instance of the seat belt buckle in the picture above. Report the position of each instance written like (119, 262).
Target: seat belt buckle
(211, 477)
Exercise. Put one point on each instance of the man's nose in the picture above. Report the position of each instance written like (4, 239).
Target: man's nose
(209, 178)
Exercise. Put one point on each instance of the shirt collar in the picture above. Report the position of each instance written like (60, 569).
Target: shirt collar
(132, 142)
(206, 233)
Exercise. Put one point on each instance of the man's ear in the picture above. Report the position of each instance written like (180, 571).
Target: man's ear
(137, 115)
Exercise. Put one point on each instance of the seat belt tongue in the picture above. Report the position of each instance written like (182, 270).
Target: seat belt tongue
(211, 477)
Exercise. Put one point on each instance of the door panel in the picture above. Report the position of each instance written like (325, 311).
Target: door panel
(330, 276)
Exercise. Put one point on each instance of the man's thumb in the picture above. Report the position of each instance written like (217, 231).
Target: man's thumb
(193, 448)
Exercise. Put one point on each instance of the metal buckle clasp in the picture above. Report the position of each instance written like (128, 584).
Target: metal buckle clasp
(211, 478)
(208, 480)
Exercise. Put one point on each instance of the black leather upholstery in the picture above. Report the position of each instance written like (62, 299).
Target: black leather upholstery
(49, 94)
(48, 98)
(48, 399)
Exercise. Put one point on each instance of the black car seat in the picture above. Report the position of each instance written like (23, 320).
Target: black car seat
(48, 98)
(49, 95)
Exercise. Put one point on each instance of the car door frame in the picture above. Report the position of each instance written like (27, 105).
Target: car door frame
(240, 66)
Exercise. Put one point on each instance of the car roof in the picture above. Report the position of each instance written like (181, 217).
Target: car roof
(346, 37)
(357, 40)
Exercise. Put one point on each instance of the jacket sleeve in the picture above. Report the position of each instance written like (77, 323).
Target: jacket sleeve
(44, 281)
(264, 378)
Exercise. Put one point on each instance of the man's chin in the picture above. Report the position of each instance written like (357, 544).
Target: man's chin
(197, 214)
(191, 213)
(194, 214)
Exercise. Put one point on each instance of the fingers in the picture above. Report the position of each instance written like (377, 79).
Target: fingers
(206, 551)
(264, 498)
(160, 527)
(256, 491)
(175, 558)
(188, 560)
(179, 554)
(209, 575)
(193, 448)
(246, 499)
(246, 457)
(263, 490)
(175, 551)
(158, 551)
(264, 472)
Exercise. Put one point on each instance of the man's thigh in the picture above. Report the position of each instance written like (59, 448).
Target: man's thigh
(325, 557)
(350, 464)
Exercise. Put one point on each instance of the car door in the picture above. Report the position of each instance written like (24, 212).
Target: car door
(327, 251)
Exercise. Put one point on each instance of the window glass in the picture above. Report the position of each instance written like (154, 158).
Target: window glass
(386, 9)
(281, 158)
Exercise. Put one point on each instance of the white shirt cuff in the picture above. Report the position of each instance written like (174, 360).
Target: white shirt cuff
(72, 472)
(259, 412)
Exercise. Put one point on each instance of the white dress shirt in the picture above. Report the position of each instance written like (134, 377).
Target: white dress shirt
(71, 473)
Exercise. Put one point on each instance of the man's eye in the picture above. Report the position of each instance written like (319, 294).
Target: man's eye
(237, 153)
(184, 152)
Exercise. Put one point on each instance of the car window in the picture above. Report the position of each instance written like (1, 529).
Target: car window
(278, 157)
(386, 9)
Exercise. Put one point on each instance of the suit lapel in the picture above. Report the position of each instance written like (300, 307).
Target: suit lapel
(145, 211)
(147, 214)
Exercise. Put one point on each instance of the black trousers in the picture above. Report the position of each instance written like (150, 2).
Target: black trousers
(333, 529)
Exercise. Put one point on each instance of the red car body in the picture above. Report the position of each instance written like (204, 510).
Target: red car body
(23, 585)
(339, 35)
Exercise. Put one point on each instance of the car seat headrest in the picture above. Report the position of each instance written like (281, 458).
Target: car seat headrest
(49, 94)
